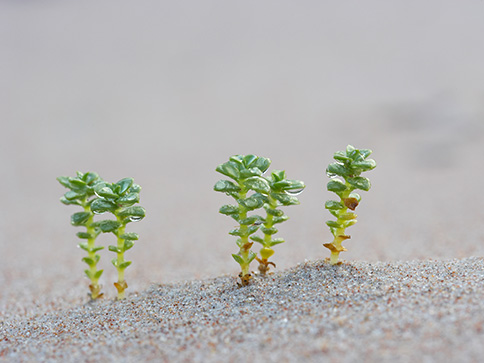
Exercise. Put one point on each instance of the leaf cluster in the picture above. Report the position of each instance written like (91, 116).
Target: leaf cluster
(348, 166)
(81, 187)
(282, 192)
(119, 199)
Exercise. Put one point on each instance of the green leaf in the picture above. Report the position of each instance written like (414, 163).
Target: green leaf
(285, 199)
(135, 213)
(115, 249)
(84, 246)
(89, 274)
(115, 262)
(100, 206)
(252, 229)
(251, 257)
(268, 230)
(64, 180)
(349, 223)
(248, 173)
(248, 160)
(229, 209)
(71, 195)
(226, 186)
(130, 236)
(365, 153)
(281, 219)
(360, 183)
(89, 261)
(276, 241)
(124, 185)
(333, 224)
(128, 199)
(135, 188)
(333, 205)
(348, 216)
(105, 192)
(278, 175)
(69, 202)
(124, 265)
(336, 186)
(98, 274)
(80, 218)
(351, 151)
(250, 220)
(334, 169)
(128, 244)
(257, 239)
(90, 178)
(253, 202)
(262, 164)
(235, 232)
(364, 165)
(78, 184)
(290, 186)
(95, 249)
(229, 169)
(341, 156)
(107, 225)
(258, 184)
(84, 235)
(238, 259)
(274, 212)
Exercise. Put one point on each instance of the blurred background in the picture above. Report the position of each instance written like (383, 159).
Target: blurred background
(165, 91)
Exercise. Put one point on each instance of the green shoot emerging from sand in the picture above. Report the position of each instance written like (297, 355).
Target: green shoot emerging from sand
(348, 166)
(246, 171)
(119, 199)
(81, 193)
(282, 192)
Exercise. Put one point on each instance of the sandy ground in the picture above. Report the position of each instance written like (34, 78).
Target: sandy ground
(164, 92)
(422, 311)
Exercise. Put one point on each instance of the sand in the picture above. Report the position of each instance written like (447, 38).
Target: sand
(426, 311)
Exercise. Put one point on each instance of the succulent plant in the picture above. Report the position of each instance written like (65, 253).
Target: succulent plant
(246, 173)
(81, 193)
(282, 192)
(345, 178)
(119, 199)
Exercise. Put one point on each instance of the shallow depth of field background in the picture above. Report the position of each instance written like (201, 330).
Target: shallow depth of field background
(165, 91)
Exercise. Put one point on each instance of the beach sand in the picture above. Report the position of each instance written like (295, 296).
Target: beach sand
(425, 311)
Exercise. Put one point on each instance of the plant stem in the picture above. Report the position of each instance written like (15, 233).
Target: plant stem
(339, 235)
(91, 244)
(245, 244)
(121, 285)
(264, 260)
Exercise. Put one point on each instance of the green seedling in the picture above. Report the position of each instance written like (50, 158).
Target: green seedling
(119, 199)
(282, 192)
(348, 167)
(246, 173)
(81, 193)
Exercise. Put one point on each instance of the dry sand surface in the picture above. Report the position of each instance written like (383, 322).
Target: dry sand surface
(419, 311)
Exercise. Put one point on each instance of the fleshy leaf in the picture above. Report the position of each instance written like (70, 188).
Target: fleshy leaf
(360, 183)
(226, 186)
(124, 185)
(336, 186)
(333, 205)
(80, 218)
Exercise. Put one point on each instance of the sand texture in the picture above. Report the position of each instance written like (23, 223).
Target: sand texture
(391, 312)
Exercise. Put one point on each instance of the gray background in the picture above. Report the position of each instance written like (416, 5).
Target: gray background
(165, 91)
